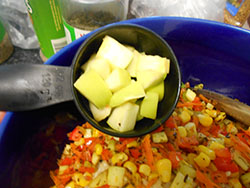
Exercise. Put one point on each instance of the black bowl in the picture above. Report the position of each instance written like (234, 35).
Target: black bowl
(144, 40)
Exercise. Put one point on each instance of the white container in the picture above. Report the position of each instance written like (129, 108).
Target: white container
(83, 16)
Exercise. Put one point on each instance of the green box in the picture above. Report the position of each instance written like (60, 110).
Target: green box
(48, 25)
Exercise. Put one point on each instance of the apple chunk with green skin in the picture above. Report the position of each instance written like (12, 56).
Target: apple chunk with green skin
(118, 79)
(99, 114)
(139, 116)
(91, 85)
(123, 117)
(159, 88)
(149, 78)
(116, 53)
(133, 91)
(100, 65)
(149, 105)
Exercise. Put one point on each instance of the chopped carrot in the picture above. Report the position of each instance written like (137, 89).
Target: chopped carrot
(146, 143)
(87, 125)
(219, 177)
(202, 97)
(95, 141)
(68, 171)
(135, 152)
(195, 120)
(223, 152)
(124, 141)
(244, 138)
(88, 178)
(66, 161)
(83, 169)
(203, 179)
(161, 148)
(151, 182)
(106, 154)
(187, 142)
(64, 179)
(86, 155)
(159, 129)
(170, 123)
(175, 158)
(104, 186)
(170, 147)
(247, 131)
(75, 151)
(241, 146)
(214, 130)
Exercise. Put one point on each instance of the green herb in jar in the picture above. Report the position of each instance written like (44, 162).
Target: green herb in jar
(89, 20)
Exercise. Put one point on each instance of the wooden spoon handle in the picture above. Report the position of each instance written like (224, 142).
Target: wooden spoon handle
(234, 108)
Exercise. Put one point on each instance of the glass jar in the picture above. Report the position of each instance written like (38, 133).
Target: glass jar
(237, 12)
(83, 16)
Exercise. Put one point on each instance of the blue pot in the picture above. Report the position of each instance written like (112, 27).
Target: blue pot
(212, 53)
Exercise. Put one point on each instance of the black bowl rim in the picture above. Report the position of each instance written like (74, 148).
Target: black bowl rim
(86, 116)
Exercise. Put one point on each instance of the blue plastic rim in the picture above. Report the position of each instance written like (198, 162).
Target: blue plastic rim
(208, 52)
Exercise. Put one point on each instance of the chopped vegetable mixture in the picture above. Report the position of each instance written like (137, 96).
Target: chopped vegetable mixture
(198, 146)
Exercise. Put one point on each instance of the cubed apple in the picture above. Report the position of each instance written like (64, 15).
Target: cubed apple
(139, 116)
(99, 114)
(149, 78)
(100, 65)
(116, 53)
(123, 117)
(149, 105)
(85, 65)
(118, 79)
(153, 62)
(132, 67)
(131, 48)
(132, 91)
(91, 85)
(159, 88)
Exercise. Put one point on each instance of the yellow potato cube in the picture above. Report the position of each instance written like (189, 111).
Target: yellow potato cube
(202, 160)
(215, 145)
(185, 116)
(182, 131)
(145, 169)
(210, 153)
(190, 95)
(164, 169)
(116, 176)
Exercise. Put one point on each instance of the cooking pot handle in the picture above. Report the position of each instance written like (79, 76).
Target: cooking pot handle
(28, 87)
